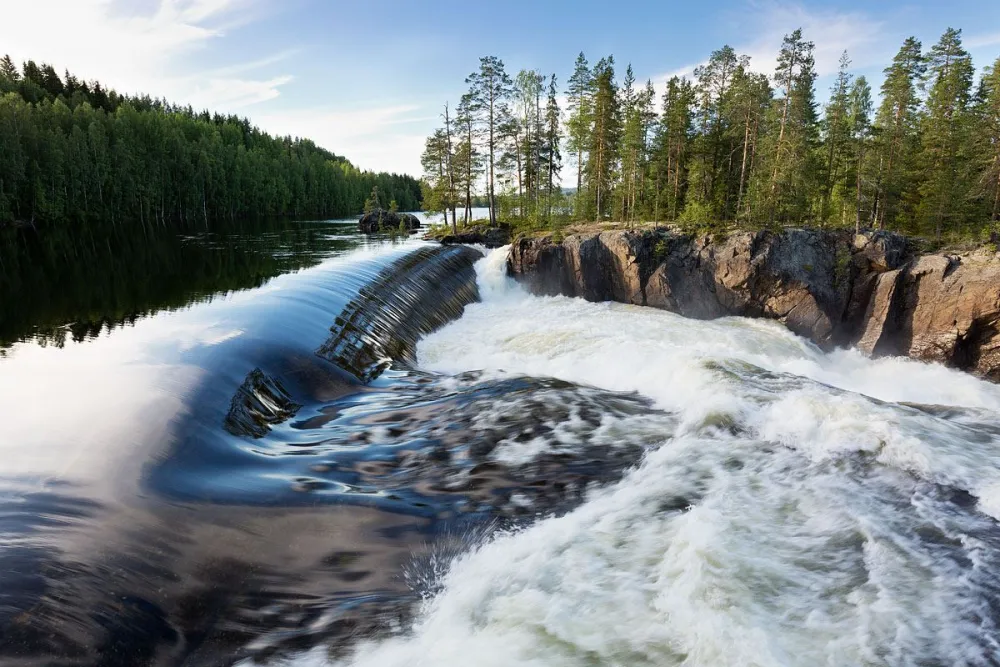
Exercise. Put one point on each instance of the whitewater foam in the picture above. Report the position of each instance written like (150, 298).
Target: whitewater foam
(804, 508)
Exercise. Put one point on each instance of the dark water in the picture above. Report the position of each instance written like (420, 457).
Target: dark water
(58, 285)
(216, 445)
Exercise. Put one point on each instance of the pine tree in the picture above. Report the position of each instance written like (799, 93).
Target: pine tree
(490, 91)
(896, 129)
(604, 140)
(450, 168)
(836, 124)
(467, 158)
(552, 156)
(526, 139)
(630, 138)
(580, 122)
(647, 116)
(988, 131)
(945, 149)
(859, 123)
(437, 193)
(791, 156)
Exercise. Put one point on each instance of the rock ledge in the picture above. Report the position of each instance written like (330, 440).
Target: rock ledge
(872, 291)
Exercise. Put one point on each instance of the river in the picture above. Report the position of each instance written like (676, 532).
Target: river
(244, 477)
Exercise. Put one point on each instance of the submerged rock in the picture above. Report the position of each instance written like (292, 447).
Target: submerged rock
(871, 290)
(381, 220)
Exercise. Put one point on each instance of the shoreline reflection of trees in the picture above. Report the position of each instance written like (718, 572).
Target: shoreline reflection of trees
(61, 285)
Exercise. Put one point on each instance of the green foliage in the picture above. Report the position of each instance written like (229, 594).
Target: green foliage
(945, 138)
(732, 147)
(696, 212)
(74, 153)
(372, 202)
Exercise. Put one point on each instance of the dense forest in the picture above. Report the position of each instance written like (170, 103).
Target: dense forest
(732, 145)
(73, 152)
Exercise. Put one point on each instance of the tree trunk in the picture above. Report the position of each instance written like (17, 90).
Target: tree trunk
(451, 172)
(743, 162)
(781, 135)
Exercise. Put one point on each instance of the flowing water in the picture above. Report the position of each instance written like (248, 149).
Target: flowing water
(396, 458)
(796, 508)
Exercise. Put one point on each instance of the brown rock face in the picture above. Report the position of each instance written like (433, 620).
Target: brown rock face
(835, 288)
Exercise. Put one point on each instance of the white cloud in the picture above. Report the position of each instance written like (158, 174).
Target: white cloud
(389, 138)
(137, 49)
(145, 47)
(982, 41)
(832, 32)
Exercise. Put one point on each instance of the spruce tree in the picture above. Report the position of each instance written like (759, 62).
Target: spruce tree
(708, 195)
(8, 69)
(671, 149)
(750, 101)
(489, 92)
(552, 156)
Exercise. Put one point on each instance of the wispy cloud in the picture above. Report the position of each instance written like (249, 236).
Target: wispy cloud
(982, 41)
(388, 138)
(140, 48)
(832, 31)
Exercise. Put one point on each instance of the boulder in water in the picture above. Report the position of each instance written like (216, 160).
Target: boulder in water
(380, 220)
(491, 236)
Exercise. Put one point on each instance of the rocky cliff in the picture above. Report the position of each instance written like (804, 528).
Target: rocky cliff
(873, 291)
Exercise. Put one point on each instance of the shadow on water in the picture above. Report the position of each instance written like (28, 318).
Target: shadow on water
(255, 475)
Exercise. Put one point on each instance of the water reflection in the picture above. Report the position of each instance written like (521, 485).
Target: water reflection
(58, 285)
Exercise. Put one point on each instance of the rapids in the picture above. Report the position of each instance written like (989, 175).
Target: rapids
(794, 507)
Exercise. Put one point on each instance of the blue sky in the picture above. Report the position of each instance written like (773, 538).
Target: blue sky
(367, 79)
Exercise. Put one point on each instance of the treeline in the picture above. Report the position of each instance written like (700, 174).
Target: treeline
(734, 145)
(73, 152)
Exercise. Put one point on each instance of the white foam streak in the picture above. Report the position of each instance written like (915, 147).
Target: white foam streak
(793, 516)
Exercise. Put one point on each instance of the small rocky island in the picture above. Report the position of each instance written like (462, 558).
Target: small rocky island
(381, 221)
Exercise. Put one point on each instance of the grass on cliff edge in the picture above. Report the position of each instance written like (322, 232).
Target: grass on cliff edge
(987, 238)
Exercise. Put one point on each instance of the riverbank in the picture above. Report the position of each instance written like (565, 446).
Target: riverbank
(876, 291)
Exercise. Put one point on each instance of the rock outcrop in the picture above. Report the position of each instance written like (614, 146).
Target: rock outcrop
(873, 291)
(380, 220)
(495, 236)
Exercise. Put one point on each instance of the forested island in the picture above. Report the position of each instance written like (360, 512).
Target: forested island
(732, 146)
(77, 153)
